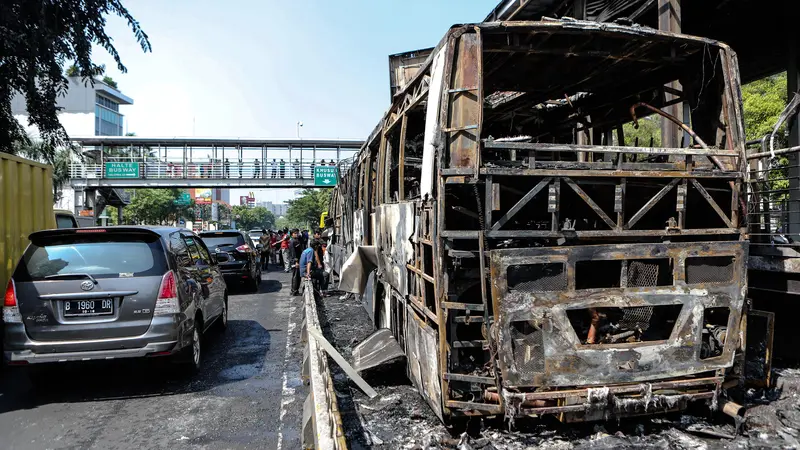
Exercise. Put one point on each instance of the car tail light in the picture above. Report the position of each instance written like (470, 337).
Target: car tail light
(91, 230)
(167, 301)
(243, 248)
(10, 309)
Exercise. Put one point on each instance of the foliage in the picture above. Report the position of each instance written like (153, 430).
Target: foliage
(155, 207)
(40, 151)
(250, 218)
(647, 135)
(110, 81)
(37, 37)
(283, 223)
(72, 71)
(308, 207)
(763, 101)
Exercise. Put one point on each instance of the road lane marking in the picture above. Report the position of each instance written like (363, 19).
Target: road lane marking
(287, 393)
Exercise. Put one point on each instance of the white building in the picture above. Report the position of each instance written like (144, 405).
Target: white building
(86, 110)
(277, 209)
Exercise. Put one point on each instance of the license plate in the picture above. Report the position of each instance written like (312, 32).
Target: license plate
(102, 307)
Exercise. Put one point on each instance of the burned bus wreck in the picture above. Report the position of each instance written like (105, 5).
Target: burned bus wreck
(538, 250)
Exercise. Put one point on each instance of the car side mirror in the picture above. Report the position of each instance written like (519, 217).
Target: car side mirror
(222, 257)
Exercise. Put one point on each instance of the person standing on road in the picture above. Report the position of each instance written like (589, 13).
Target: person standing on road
(273, 252)
(257, 169)
(310, 268)
(264, 241)
(283, 168)
(326, 265)
(294, 251)
(287, 261)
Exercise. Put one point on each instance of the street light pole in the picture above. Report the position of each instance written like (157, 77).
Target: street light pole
(300, 124)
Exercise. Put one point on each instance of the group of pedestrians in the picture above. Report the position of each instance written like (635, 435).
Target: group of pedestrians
(297, 252)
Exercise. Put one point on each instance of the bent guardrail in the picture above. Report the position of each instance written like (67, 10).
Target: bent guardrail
(322, 423)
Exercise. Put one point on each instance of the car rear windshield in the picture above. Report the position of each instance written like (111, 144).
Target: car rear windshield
(100, 255)
(222, 240)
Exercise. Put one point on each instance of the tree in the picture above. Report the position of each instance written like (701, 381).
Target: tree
(283, 223)
(250, 218)
(38, 150)
(38, 37)
(647, 135)
(155, 207)
(72, 71)
(309, 206)
(763, 102)
(110, 81)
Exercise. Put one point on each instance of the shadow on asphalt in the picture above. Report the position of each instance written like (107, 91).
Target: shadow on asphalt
(236, 355)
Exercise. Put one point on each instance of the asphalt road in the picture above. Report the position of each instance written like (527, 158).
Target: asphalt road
(248, 395)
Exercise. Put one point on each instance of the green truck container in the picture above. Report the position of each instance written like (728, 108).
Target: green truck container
(26, 205)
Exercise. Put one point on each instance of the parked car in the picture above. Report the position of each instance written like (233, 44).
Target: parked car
(243, 265)
(255, 234)
(65, 219)
(113, 292)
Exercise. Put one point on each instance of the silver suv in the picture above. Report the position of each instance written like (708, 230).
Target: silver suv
(114, 292)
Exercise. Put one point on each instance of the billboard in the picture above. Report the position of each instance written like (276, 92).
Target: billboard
(202, 196)
(248, 200)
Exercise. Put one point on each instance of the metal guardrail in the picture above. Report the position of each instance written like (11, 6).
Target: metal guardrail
(322, 423)
(773, 195)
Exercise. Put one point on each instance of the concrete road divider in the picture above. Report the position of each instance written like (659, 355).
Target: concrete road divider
(322, 423)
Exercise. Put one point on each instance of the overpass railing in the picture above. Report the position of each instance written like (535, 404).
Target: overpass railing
(154, 169)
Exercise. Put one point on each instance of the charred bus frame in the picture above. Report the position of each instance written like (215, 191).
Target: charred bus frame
(532, 258)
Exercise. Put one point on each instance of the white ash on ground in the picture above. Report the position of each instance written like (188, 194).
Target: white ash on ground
(399, 418)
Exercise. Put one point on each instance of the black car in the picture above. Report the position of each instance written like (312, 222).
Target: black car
(243, 263)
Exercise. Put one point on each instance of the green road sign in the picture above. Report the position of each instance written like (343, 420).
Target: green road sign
(184, 200)
(325, 176)
(119, 170)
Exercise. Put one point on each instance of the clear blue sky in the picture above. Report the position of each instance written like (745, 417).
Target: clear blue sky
(254, 68)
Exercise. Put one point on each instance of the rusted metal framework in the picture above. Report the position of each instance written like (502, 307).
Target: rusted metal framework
(539, 254)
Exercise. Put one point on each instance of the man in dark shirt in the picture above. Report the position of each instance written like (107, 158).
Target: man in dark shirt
(295, 249)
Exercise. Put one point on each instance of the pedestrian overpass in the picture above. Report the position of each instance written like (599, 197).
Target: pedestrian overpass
(112, 162)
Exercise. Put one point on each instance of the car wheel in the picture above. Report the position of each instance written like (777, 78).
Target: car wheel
(222, 322)
(192, 356)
